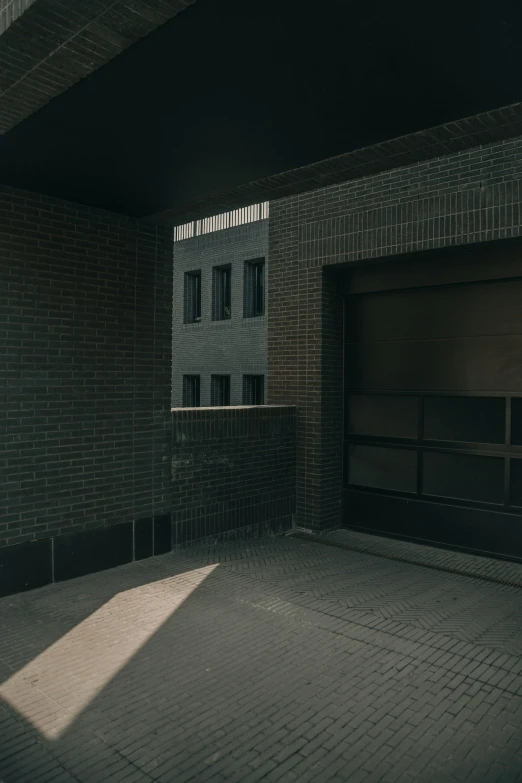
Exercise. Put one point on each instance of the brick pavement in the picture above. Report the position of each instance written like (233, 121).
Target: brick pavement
(273, 660)
(474, 565)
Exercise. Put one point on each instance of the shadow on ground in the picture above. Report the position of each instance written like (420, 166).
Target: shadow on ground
(192, 668)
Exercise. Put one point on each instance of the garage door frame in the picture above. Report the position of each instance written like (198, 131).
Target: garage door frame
(475, 525)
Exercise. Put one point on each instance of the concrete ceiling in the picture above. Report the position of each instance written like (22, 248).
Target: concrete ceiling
(485, 128)
(46, 46)
(231, 102)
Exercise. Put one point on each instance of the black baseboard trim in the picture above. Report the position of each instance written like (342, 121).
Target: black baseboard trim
(26, 566)
(79, 554)
(143, 543)
(48, 560)
(57, 559)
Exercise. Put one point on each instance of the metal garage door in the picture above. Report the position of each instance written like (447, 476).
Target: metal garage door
(433, 413)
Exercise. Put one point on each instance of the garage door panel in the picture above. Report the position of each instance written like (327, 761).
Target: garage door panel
(472, 529)
(453, 311)
(474, 364)
(386, 416)
(463, 476)
(383, 467)
(496, 260)
(465, 419)
(516, 421)
(433, 412)
(516, 482)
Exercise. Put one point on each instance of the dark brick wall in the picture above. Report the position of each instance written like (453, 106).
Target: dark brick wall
(10, 10)
(470, 196)
(233, 471)
(85, 332)
(47, 47)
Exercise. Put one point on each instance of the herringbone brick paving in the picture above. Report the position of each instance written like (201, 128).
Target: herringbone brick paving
(275, 659)
(474, 565)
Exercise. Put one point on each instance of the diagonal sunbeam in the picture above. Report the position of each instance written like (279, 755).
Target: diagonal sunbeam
(54, 688)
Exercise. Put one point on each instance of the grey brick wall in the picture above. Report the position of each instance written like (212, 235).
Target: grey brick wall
(233, 471)
(233, 347)
(462, 198)
(85, 336)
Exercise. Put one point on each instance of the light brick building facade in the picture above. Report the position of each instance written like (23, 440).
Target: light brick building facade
(234, 347)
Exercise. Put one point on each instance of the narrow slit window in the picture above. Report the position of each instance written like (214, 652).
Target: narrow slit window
(191, 386)
(192, 297)
(254, 288)
(222, 293)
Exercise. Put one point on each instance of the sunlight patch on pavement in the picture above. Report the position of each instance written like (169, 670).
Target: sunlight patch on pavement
(56, 686)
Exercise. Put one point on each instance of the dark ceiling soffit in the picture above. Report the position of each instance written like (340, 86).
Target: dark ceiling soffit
(55, 43)
(485, 128)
